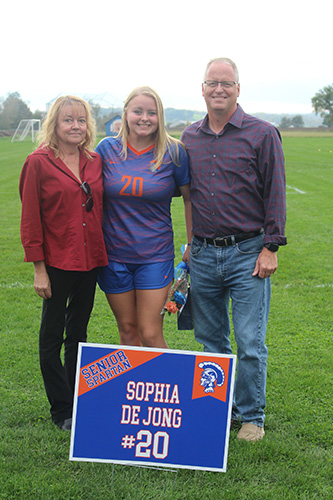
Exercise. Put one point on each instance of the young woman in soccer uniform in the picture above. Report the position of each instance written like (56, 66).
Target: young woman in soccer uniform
(141, 168)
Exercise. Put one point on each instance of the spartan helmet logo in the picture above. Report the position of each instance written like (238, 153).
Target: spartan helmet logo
(212, 373)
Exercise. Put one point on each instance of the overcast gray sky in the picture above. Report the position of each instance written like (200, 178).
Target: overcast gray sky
(283, 49)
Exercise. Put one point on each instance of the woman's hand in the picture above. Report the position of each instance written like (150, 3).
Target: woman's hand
(42, 282)
(186, 255)
(185, 190)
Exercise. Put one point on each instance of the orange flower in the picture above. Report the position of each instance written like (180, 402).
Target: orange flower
(171, 307)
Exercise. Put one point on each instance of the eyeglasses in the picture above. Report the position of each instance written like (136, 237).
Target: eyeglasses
(225, 85)
(87, 189)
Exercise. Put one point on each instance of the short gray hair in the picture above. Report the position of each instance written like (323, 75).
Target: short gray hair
(223, 60)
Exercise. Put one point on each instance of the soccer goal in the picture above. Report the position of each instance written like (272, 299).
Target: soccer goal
(26, 127)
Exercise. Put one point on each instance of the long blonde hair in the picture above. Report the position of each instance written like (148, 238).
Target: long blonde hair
(163, 141)
(48, 135)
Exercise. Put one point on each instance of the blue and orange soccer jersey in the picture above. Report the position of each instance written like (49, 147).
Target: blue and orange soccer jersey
(137, 221)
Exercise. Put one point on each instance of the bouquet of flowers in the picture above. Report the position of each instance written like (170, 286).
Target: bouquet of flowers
(178, 292)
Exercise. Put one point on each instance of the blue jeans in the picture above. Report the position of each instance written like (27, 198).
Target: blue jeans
(219, 275)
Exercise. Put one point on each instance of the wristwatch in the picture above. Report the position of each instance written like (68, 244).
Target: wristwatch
(273, 247)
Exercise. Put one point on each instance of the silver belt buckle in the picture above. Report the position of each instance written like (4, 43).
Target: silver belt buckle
(223, 240)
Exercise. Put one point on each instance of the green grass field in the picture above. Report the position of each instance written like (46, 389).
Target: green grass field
(294, 460)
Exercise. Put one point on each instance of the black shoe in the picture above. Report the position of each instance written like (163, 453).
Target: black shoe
(65, 425)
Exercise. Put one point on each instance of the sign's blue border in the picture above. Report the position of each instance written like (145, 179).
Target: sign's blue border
(152, 407)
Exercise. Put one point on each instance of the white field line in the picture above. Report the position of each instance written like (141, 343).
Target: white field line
(295, 189)
(17, 284)
(324, 285)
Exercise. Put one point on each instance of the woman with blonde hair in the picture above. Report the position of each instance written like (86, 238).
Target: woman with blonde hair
(61, 189)
(142, 166)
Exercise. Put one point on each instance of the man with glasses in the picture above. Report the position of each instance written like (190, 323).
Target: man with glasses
(239, 213)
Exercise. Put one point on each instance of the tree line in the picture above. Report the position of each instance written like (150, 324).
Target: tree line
(13, 109)
(322, 102)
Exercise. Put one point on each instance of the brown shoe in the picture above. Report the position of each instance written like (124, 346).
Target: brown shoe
(250, 432)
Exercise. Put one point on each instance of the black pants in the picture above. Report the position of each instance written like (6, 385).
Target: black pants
(68, 309)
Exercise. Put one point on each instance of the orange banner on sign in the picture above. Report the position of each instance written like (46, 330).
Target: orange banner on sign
(112, 365)
(210, 378)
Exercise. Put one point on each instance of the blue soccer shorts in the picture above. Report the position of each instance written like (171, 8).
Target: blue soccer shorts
(118, 277)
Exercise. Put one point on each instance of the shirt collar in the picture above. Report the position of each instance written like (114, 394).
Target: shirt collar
(236, 120)
(60, 164)
(238, 117)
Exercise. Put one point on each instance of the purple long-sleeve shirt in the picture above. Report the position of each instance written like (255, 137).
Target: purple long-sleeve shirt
(237, 178)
